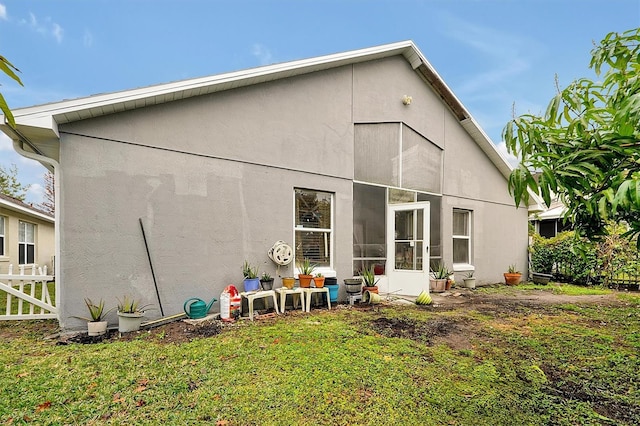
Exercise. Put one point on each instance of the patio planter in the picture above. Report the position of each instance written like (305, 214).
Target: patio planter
(251, 284)
(353, 285)
(305, 280)
(96, 328)
(333, 290)
(129, 321)
(512, 278)
(288, 282)
(267, 284)
(438, 286)
(540, 278)
(469, 282)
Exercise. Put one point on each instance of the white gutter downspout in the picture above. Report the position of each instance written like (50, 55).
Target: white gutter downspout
(17, 145)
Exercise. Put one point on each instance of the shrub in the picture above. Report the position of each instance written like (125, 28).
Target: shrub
(565, 256)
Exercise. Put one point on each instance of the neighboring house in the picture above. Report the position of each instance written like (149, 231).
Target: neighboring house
(26, 237)
(362, 158)
(549, 222)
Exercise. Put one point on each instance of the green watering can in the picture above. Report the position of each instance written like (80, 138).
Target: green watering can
(197, 308)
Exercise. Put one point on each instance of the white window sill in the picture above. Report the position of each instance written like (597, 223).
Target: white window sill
(463, 267)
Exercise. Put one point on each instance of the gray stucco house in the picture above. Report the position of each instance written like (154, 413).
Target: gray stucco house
(357, 159)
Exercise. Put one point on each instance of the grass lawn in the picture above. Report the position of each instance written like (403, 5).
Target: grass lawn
(496, 361)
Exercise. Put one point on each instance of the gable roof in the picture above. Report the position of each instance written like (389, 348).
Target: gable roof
(16, 205)
(40, 123)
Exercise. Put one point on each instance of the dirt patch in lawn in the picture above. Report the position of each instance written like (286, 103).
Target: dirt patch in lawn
(415, 330)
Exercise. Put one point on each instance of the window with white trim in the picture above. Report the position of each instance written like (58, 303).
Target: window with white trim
(26, 243)
(1, 235)
(314, 226)
(461, 237)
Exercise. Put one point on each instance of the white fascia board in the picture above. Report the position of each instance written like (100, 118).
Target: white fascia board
(38, 115)
(485, 143)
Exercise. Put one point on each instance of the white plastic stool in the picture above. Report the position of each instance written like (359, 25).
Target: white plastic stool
(309, 291)
(252, 295)
(354, 297)
(296, 295)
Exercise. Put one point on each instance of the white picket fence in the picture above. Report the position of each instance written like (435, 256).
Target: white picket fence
(27, 295)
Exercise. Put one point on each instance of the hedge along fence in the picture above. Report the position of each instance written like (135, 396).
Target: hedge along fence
(614, 261)
(566, 258)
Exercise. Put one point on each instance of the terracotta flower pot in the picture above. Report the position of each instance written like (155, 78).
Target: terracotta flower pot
(512, 279)
(438, 286)
(373, 289)
(305, 280)
(319, 282)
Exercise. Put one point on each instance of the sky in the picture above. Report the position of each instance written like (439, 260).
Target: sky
(498, 56)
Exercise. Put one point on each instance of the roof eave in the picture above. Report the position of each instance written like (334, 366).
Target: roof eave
(25, 210)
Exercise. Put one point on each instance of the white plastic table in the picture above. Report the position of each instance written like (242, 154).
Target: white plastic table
(311, 290)
(296, 294)
(252, 295)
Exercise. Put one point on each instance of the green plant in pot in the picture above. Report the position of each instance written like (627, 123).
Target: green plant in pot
(130, 313)
(266, 281)
(96, 324)
(318, 280)
(439, 276)
(250, 274)
(512, 276)
(305, 275)
(369, 281)
(469, 280)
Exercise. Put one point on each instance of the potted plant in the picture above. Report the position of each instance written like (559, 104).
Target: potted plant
(96, 325)
(540, 278)
(266, 281)
(306, 272)
(512, 276)
(318, 280)
(469, 280)
(250, 274)
(369, 281)
(130, 314)
(440, 274)
(353, 285)
(288, 282)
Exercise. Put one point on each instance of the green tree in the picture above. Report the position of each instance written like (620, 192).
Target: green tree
(586, 147)
(10, 185)
(10, 70)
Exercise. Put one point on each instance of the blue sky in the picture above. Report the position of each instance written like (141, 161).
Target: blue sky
(492, 53)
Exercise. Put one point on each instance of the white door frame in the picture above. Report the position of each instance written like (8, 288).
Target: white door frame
(408, 282)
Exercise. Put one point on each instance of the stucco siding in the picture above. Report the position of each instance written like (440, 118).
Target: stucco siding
(207, 205)
(299, 123)
(498, 235)
(468, 172)
(378, 90)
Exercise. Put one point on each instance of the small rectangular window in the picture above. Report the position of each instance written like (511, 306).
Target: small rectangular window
(461, 236)
(26, 243)
(313, 226)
